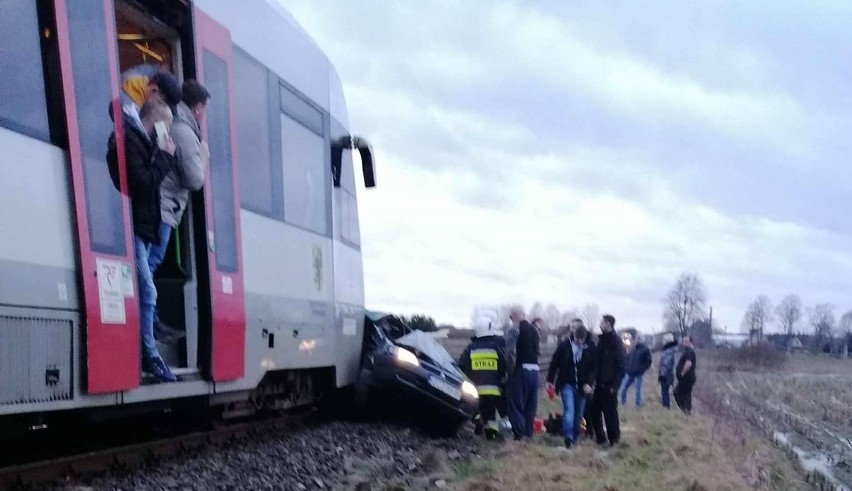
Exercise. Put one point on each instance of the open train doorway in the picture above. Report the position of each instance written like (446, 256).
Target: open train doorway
(154, 34)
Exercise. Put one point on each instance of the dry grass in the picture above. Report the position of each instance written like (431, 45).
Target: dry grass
(809, 402)
(659, 450)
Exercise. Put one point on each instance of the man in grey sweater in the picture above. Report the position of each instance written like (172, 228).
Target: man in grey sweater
(189, 175)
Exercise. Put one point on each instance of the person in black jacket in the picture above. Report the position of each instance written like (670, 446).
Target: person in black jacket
(685, 373)
(572, 374)
(523, 384)
(484, 362)
(638, 362)
(147, 160)
(610, 371)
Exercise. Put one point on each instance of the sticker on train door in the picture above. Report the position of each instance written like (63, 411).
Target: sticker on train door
(110, 292)
(127, 280)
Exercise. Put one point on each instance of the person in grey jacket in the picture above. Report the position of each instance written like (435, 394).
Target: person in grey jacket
(666, 372)
(189, 175)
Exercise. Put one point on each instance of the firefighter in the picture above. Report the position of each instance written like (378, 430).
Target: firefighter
(484, 362)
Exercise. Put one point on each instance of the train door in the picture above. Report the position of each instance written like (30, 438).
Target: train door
(87, 52)
(224, 349)
(199, 283)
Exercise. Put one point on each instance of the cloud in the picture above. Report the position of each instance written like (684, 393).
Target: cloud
(578, 154)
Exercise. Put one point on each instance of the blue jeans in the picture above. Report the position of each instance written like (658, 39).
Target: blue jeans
(523, 401)
(157, 253)
(147, 298)
(625, 384)
(573, 406)
(664, 390)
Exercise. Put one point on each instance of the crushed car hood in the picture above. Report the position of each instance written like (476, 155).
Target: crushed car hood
(428, 346)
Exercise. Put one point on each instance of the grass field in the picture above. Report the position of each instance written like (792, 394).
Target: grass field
(727, 443)
(659, 450)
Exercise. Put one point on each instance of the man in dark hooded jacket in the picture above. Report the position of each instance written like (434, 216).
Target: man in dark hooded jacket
(147, 159)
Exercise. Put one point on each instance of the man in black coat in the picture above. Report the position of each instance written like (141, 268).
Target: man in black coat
(523, 383)
(610, 372)
(147, 159)
(572, 374)
(685, 373)
(638, 362)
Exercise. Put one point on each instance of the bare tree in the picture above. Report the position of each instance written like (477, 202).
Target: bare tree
(685, 302)
(757, 315)
(537, 311)
(551, 316)
(822, 320)
(789, 312)
(591, 315)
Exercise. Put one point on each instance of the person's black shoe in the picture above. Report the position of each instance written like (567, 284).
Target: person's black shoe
(568, 444)
(518, 438)
(602, 443)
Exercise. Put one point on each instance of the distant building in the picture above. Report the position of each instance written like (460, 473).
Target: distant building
(733, 340)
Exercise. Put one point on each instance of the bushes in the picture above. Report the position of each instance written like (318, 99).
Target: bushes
(763, 356)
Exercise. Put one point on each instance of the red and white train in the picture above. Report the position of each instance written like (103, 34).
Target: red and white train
(264, 274)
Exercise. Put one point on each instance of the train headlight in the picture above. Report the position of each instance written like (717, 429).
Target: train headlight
(406, 357)
(470, 390)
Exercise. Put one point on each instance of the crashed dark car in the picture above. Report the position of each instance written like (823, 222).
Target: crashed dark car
(404, 370)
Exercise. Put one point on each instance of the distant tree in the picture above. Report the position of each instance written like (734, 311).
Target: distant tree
(685, 302)
(551, 316)
(537, 311)
(821, 317)
(789, 312)
(422, 322)
(757, 316)
(591, 316)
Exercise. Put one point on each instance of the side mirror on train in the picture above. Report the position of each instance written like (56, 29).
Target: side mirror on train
(367, 163)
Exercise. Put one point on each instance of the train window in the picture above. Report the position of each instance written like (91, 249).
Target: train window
(23, 107)
(91, 72)
(349, 215)
(305, 176)
(221, 167)
(301, 111)
(251, 96)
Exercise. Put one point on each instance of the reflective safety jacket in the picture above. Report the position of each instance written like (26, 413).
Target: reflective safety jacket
(484, 362)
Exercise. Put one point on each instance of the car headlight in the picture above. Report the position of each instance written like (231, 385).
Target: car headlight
(470, 389)
(406, 357)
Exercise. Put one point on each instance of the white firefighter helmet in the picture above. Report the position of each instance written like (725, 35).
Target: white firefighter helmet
(484, 327)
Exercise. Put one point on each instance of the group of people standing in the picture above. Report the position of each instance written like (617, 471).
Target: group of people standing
(587, 376)
(165, 159)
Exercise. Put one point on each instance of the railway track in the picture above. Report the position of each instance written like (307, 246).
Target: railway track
(81, 465)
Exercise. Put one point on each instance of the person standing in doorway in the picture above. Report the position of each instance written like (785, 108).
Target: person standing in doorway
(148, 159)
(610, 372)
(685, 373)
(666, 374)
(523, 384)
(638, 362)
(189, 175)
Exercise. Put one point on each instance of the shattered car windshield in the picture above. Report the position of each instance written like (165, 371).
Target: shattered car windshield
(427, 345)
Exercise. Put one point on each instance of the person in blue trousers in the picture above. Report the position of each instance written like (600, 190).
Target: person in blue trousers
(572, 374)
(666, 374)
(523, 384)
(638, 362)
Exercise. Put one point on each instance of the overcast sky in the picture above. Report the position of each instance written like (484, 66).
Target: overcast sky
(576, 152)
